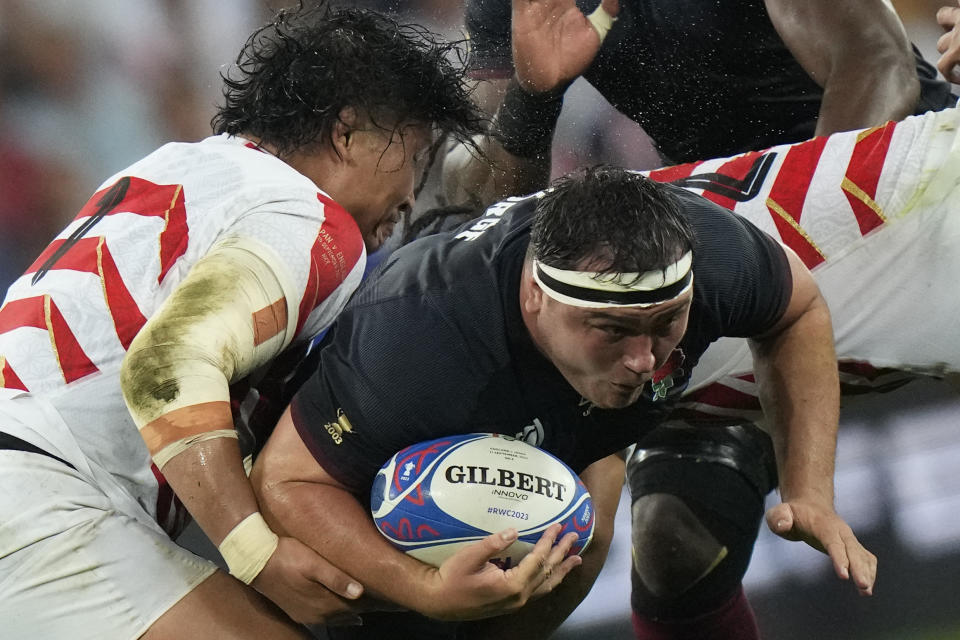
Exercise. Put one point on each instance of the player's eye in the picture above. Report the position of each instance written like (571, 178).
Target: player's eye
(665, 328)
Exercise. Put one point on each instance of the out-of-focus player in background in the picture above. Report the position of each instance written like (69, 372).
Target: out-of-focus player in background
(570, 318)
(174, 305)
(704, 79)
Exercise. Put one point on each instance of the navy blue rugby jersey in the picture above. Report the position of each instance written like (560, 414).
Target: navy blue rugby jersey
(433, 344)
(704, 78)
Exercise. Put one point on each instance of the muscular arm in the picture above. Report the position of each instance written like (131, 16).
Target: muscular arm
(604, 480)
(796, 371)
(301, 499)
(176, 375)
(858, 52)
(229, 316)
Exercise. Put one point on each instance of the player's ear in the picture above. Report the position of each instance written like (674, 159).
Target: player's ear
(344, 129)
(532, 293)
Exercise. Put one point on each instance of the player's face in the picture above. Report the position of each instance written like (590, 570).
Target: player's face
(609, 354)
(385, 170)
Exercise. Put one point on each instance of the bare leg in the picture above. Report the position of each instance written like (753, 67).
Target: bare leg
(221, 607)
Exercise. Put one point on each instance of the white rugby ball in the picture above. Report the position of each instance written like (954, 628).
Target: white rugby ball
(432, 498)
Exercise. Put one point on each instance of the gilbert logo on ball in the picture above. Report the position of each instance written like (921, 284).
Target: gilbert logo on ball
(434, 497)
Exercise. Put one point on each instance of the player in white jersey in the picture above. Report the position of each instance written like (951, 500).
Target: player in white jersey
(872, 213)
(869, 213)
(178, 301)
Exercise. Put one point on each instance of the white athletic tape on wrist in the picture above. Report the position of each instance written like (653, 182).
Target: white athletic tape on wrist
(601, 21)
(248, 547)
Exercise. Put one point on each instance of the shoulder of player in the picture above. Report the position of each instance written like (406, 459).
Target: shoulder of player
(228, 172)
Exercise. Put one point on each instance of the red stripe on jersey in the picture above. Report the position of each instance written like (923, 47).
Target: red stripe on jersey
(863, 175)
(676, 172)
(8, 377)
(91, 255)
(144, 198)
(736, 168)
(41, 312)
(788, 193)
(176, 234)
(862, 369)
(861, 377)
(334, 254)
(127, 318)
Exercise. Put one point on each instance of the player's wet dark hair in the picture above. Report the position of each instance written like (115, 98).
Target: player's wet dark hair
(294, 77)
(609, 220)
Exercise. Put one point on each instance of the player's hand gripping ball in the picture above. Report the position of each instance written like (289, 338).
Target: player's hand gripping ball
(434, 497)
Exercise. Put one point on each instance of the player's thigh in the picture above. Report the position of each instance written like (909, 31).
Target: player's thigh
(222, 607)
(72, 566)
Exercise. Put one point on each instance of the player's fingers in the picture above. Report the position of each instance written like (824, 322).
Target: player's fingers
(555, 575)
(558, 552)
(838, 556)
(492, 545)
(532, 567)
(320, 570)
(780, 520)
(947, 17)
(612, 7)
(601, 20)
(943, 42)
(947, 65)
(561, 549)
(863, 565)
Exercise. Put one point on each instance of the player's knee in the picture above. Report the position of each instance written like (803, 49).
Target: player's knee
(672, 549)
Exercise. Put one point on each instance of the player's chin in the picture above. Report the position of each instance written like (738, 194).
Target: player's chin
(617, 396)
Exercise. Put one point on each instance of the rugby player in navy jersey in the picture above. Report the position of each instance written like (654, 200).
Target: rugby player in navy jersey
(570, 318)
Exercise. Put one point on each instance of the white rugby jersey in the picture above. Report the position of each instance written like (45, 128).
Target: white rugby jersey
(66, 324)
(875, 215)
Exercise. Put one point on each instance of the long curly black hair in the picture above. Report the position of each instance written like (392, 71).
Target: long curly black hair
(295, 75)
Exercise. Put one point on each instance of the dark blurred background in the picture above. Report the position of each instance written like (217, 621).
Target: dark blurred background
(89, 86)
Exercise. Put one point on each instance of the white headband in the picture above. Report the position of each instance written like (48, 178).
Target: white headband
(596, 290)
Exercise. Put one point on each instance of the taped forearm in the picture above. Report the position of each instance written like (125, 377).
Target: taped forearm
(228, 317)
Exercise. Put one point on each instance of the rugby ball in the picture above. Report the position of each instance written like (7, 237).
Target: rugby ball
(432, 498)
